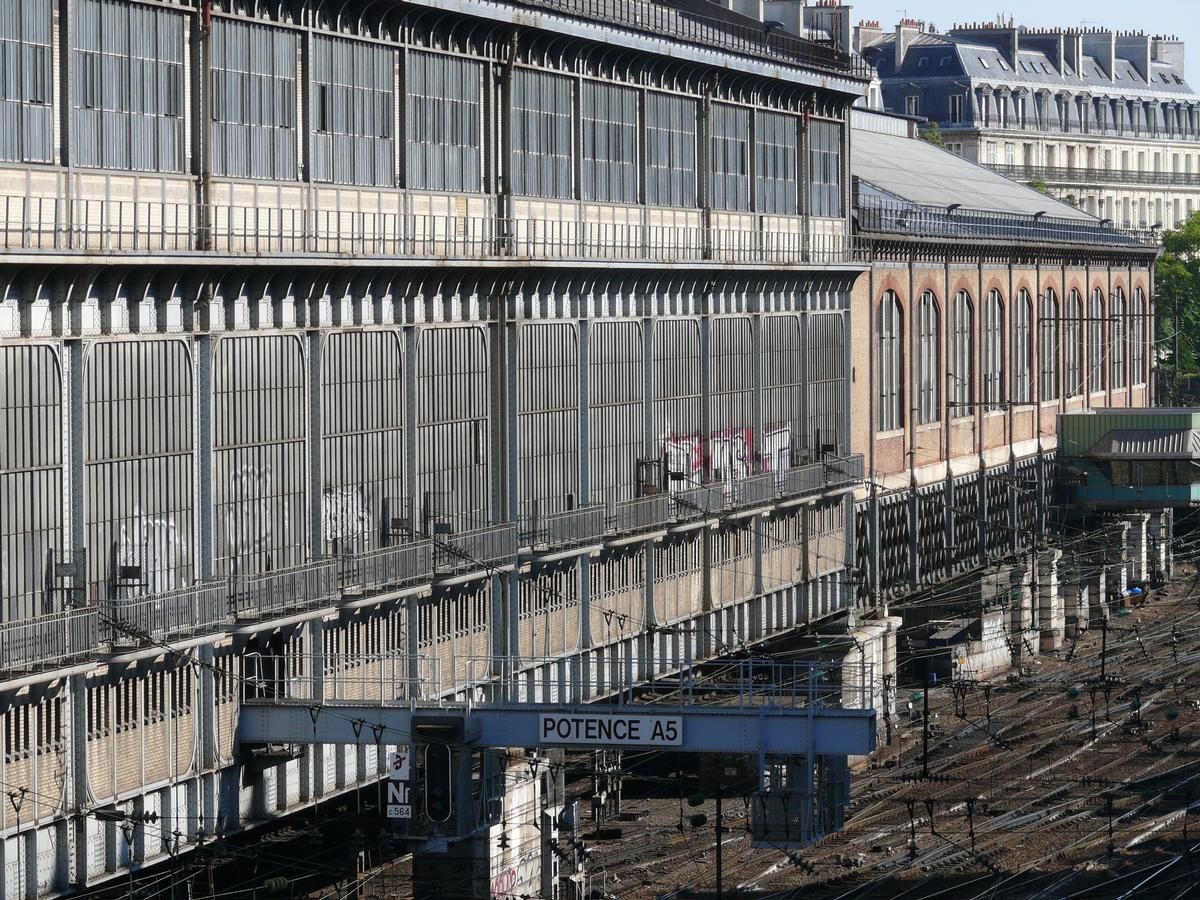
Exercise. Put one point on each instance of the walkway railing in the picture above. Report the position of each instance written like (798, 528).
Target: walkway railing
(53, 224)
(400, 679)
(687, 22)
(131, 618)
(53, 639)
(897, 217)
(1083, 175)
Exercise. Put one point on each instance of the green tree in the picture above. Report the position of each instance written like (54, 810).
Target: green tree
(1039, 184)
(932, 134)
(1177, 297)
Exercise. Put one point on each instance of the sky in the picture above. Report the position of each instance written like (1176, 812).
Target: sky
(1177, 17)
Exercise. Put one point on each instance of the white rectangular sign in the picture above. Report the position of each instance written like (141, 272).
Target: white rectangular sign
(609, 730)
(399, 766)
(398, 801)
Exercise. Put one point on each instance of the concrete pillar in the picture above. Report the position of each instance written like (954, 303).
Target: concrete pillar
(1052, 618)
(1024, 638)
(1117, 566)
(1096, 582)
(1137, 544)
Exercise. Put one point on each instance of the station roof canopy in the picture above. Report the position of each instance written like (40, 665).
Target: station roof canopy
(1149, 444)
(916, 171)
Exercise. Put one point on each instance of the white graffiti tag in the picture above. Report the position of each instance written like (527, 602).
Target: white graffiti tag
(344, 514)
(155, 544)
(248, 516)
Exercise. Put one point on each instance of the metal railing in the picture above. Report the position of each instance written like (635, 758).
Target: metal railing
(894, 217)
(698, 502)
(843, 470)
(806, 479)
(484, 548)
(287, 590)
(52, 639)
(1085, 176)
(386, 569)
(383, 678)
(132, 620)
(685, 22)
(570, 528)
(639, 514)
(53, 224)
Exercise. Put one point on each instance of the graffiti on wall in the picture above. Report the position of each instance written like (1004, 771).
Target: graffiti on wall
(345, 515)
(249, 521)
(155, 544)
(731, 455)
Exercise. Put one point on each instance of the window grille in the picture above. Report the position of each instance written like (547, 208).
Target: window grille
(890, 330)
(825, 168)
(928, 360)
(993, 352)
(1048, 346)
(962, 358)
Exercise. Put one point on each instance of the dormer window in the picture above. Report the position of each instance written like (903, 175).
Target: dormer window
(922, 62)
(983, 62)
(1003, 64)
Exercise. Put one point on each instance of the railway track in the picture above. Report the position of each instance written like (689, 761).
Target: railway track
(1027, 798)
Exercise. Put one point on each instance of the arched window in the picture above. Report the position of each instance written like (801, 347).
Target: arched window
(1096, 345)
(962, 358)
(1022, 347)
(1137, 340)
(1048, 346)
(1073, 345)
(993, 351)
(891, 362)
(1119, 333)
(928, 360)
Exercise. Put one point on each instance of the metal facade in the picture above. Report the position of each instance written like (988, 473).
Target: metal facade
(445, 122)
(616, 409)
(609, 151)
(138, 456)
(26, 81)
(353, 112)
(671, 130)
(31, 477)
(543, 146)
(730, 157)
(363, 449)
(259, 455)
(548, 418)
(127, 87)
(254, 100)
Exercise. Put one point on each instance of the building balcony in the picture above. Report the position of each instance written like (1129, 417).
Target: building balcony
(46, 226)
(914, 220)
(1085, 176)
(127, 617)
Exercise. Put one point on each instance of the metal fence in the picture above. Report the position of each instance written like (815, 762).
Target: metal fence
(639, 514)
(675, 20)
(134, 619)
(382, 678)
(51, 639)
(896, 217)
(1078, 175)
(387, 569)
(571, 528)
(47, 224)
(287, 590)
(483, 548)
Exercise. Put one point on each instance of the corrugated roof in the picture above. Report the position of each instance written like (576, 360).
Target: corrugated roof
(1165, 443)
(919, 172)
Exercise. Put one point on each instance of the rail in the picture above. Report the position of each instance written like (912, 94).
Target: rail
(1077, 175)
(55, 225)
(401, 679)
(483, 548)
(570, 528)
(130, 620)
(295, 589)
(386, 569)
(51, 639)
(892, 217)
(639, 514)
(673, 20)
